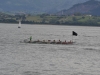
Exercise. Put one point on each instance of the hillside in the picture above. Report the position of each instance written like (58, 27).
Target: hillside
(82, 20)
(90, 7)
(37, 6)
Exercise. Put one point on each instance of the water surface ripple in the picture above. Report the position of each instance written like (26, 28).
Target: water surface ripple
(81, 58)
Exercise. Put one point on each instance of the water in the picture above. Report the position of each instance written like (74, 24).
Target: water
(81, 58)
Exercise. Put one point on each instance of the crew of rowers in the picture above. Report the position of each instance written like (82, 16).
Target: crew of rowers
(51, 42)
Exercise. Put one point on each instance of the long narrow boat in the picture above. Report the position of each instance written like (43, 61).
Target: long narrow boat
(49, 42)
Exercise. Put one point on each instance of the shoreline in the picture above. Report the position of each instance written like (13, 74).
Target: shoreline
(54, 24)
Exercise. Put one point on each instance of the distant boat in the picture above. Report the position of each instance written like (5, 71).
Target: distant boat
(19, 26)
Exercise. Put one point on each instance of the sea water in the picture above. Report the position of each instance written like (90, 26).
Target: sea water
(80, 58)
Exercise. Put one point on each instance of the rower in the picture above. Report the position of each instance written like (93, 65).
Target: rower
(53, 42)
(30, 38)
(59, 42)
(64, 42)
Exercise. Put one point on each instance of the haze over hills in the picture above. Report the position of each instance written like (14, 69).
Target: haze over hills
(37, 6)
(90, 7)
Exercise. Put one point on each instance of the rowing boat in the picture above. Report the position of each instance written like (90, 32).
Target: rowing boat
(48, 42)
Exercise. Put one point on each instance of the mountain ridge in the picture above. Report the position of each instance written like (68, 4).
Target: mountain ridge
(90, 7)
(37, 6)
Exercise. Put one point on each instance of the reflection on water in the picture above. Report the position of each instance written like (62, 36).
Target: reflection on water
(81, 58)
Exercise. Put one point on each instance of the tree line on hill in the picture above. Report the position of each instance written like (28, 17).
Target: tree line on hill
(76, 19)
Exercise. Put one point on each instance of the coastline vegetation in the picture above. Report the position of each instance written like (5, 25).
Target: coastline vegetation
(76, 19)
